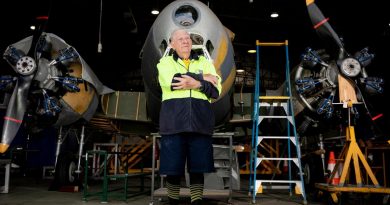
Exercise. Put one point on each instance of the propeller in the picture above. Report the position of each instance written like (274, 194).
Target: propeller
(318, 76)
(25, 66)
(322, 26)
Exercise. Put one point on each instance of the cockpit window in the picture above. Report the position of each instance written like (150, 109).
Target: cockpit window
(210, 47)
(186, 15)
(163, 46)
(197, 46)
(196, 39)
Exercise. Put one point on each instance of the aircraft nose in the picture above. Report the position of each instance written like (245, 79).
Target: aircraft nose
(3, 147)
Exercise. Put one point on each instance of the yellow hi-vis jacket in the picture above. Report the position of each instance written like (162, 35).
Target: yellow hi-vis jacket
(187, 110)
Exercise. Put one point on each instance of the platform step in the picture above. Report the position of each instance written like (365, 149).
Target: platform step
(274, 98)
(269, 184)
(292, 138)
(278, 181)
(207, 193)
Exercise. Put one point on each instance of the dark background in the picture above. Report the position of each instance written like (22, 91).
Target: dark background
(125, 24)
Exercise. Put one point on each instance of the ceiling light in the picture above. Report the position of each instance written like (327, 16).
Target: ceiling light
(274, 15)
(240, 70)
(252, 51)
(155, 12)
(32, 27)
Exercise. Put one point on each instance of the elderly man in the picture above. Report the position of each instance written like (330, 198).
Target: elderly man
(188, 82)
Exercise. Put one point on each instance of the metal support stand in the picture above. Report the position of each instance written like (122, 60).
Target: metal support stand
(123, 190)
(7, 169)
(59, 143)
(81, 147)
(351, 152)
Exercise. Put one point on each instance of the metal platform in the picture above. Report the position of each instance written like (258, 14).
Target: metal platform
(185, 192)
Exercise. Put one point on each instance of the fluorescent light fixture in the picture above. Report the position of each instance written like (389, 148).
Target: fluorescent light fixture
(155, 12)
(274, 15)
(251, 51)
(240, 70)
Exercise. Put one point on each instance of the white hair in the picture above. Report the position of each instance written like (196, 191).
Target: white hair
(176, 30)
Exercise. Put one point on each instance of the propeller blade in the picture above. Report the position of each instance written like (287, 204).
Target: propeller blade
(321, 24)
(26, 67)
(15, 111)
(41, 27)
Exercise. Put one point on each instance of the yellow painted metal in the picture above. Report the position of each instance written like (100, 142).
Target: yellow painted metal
(355, 154)
(334, 197)
(297, 190)
(308, 2)
(258, 43)
(260, 190)
(274, 97)
(356, 189)
(351, 151)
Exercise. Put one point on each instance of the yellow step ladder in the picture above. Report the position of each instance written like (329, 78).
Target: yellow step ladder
(286, 137)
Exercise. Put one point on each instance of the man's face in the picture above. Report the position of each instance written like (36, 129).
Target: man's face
(181, 43)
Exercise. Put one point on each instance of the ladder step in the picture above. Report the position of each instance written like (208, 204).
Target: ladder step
(292, 138)
(273, 104)
(274, 187)
(288, 117)
(277, 158)
(260, 159)
(274, 97)
(275, 137)
(274, 107)
(258, 43)
(259, 185)
(275, 116)
(278, 181)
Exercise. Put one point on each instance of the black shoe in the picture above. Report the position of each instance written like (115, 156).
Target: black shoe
(197, 202)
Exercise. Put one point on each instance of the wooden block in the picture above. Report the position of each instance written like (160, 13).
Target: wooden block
(346, 90)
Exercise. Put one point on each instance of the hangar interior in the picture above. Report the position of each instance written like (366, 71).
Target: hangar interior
(84, 123)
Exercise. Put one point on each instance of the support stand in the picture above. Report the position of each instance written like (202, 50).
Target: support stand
(351, 152)
(7, 169)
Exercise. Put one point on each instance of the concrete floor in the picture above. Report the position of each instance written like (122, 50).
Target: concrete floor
(31, 189)
(34, 191)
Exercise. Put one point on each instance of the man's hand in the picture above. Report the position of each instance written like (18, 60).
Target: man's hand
(185, 82)
(211, 78)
